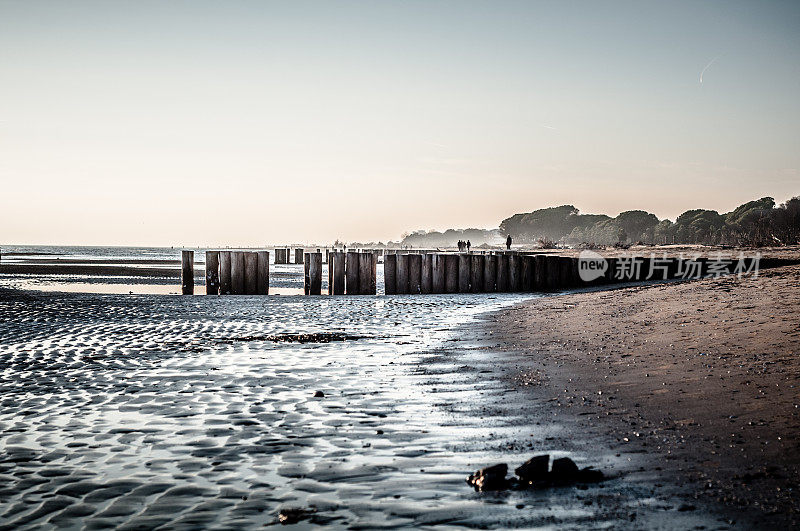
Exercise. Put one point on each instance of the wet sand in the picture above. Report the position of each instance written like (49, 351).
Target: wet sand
(697, 383)
(183, 412)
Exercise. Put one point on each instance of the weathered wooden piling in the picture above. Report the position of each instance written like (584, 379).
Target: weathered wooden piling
(426, 275)
(489, 273)
(390, 274)
(250, 273)
(464, 272)
(351, 273)
(224, 272)
(553, 273)
(476, 273)
(187, 272)
(415, 274)
(237, 273)
(514, 273)
(575, 276)
(451, 273)
(298, 256)
(564, 272)
(438, 273)
(540, 264)
(366, 273)
(336, 273)
(262, 284)
(502, 273)
(312, 263)
(212, 272)
(402, 283)
(528, 272)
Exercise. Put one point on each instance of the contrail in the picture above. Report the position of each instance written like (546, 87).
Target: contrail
(706, 68)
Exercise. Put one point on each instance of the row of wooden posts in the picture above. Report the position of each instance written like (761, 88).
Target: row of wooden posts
(229, 272)
(354, 273)
(247, 273)
(349, 273)
(477, 273)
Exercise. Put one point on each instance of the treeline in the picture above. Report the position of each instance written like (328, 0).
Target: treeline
(756, 223)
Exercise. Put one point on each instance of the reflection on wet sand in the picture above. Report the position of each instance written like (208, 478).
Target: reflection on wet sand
(142, 411)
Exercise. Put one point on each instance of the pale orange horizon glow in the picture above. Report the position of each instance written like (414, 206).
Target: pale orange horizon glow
(252, 123)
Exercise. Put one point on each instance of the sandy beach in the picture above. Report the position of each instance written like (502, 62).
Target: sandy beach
(696, 383)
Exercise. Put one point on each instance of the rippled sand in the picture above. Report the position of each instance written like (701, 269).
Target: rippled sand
(145, 411)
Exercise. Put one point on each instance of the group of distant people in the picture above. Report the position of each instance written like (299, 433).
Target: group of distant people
(466, 245)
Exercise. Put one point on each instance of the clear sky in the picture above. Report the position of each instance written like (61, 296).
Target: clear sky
(240, 123)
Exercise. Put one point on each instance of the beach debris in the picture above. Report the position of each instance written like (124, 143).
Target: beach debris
(292, 515)
(489, 478)
(536, 472)
(319, 394)
(534, 469)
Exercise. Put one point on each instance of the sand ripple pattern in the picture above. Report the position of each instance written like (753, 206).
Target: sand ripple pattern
(142, 412)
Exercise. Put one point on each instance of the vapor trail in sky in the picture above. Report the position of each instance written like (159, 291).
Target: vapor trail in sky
(706, 68)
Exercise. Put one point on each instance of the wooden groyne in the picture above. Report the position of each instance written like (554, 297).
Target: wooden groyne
(412, 273)
(349, 273)
(231, 272)
(355, 273)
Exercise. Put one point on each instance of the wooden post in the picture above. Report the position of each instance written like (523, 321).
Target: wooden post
(426, 282)
(540, 273)
(262, 287)
(564, 267)
(553, 273)
(351, 273)
(464, 272)
(502, 272)
(450, 273)
(313, 273)
(528, 272)
(415, 274)
(438, 273)
(514, 273)
(250, 273)
(390, 274)
(224, 272)
(187, 272)
(336, 261)
(237, 272)
(373, 274)
(490, 273)
(363, 273)
(476, 273)
(212, 272)
(402, 274)
(298, 256)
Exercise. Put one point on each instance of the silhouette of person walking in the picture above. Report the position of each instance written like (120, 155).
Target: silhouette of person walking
(468, 245)
(508, 242)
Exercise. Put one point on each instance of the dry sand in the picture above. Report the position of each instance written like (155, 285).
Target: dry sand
(696, 383)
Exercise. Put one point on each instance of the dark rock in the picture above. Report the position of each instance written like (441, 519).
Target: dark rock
(564, 470)
(490, 478)
(534, 469)
(319, 394)
(590, 475)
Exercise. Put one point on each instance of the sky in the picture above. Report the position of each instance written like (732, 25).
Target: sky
(252, 122)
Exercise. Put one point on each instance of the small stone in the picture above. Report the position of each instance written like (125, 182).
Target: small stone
(489, 478)
(292, 516)
(319, 394)
(534, 469)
